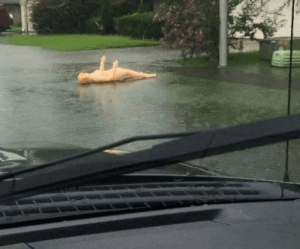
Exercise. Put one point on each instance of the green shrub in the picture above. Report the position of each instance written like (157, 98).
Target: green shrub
(139, 25)
(94, 26)
(64, 19)
(145, 8)
(109, 12)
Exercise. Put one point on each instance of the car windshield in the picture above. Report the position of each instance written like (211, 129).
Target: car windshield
(81, 74)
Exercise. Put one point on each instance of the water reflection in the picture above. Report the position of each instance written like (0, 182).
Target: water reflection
(104, 93)
(132, 108)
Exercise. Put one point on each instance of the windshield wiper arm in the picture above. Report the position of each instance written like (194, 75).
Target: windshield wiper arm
(94, 151)
(190, 147)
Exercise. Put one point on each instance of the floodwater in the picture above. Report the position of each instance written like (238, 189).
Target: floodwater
(41, 100)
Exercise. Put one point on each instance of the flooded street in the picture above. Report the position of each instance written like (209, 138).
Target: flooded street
(40, 100)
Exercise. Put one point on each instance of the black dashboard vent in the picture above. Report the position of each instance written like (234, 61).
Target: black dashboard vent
(120, 198)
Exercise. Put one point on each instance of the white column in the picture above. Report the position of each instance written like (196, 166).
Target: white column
(30, 4)
(223, 34)
(24, 15)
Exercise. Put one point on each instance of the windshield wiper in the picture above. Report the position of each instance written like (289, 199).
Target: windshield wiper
(94, 151)
(198, 145)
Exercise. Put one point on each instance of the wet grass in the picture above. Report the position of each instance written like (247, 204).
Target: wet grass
(4, 39)
(243, 58)
(14, 29)
(234, 59)
(76, 42)
(244, 62)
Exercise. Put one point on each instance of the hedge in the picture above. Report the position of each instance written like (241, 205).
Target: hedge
(139, 25)
(66, 19)
(109, 12)
(94, 25)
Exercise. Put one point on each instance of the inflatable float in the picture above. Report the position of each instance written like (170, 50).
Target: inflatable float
(114, 74)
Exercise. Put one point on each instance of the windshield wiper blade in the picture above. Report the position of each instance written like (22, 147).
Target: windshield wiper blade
(199, 145)
(94, 151)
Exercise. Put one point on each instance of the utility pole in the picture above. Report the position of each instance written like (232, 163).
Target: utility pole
(223, 35)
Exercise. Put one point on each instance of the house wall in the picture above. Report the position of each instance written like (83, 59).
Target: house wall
(15, 10)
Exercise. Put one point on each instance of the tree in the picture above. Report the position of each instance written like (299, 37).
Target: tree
(193, 25)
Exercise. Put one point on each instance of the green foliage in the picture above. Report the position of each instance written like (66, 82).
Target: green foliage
(75, 42)
(139, 25)
(143, 9)
(193, 25)
(109, 12)
(93, 25)
(146, 7)
(169, 2)
(66, 18)
(15, 29)
(244, 58)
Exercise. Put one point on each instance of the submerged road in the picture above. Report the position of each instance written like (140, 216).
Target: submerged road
(41, 100)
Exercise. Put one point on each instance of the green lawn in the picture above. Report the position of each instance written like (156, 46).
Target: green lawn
(17, 29)
(234, 59)
(76, 42)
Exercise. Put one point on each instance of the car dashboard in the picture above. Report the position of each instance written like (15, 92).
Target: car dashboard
(156, 212)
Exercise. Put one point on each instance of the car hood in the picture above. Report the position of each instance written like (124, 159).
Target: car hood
(17, 156)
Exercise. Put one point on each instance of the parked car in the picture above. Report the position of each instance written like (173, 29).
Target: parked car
(6, 20)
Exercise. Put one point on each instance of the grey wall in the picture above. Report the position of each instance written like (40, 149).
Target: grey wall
(15, 10)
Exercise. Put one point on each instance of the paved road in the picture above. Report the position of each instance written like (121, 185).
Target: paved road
(40, 100)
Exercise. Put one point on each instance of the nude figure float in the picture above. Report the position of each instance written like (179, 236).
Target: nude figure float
(114, 74)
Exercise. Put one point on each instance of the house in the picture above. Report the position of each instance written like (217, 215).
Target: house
(20, 9)
(13, 7)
